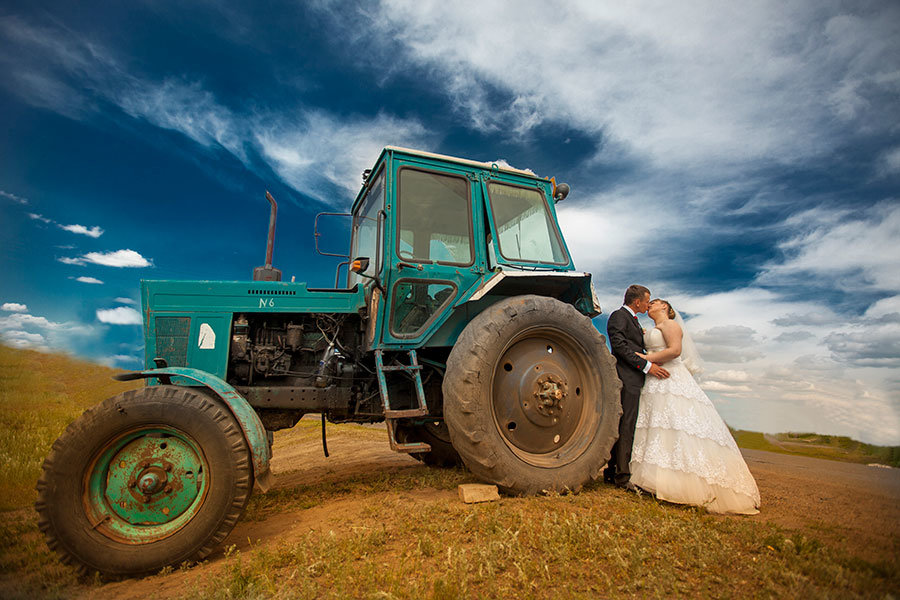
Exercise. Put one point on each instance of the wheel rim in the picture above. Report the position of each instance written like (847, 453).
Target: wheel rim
(542, 388)
(146, 484)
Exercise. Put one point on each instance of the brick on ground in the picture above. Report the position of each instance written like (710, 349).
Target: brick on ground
(477, 492)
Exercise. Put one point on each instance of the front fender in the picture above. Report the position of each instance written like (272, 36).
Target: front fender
(251, 426)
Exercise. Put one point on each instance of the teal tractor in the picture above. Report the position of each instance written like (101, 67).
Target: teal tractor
(462, 325)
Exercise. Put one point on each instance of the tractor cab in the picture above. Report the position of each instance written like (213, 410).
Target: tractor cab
(430, 232)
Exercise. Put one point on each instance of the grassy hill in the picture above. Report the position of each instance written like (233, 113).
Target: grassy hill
(40, 394)
(830, 447)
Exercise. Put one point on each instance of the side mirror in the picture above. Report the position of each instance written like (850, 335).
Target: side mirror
(560, 193)
(359, 265)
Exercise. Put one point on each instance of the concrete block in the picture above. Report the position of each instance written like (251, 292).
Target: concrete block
(478, 492)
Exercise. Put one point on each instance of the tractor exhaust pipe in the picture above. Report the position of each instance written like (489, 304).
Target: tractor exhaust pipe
(268, 272)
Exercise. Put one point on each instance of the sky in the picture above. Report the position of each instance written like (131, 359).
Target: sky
(742, 160)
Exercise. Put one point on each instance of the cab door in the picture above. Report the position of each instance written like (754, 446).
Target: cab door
(433, 253)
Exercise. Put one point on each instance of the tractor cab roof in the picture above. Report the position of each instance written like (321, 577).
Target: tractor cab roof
(463, 161)
(410, 152)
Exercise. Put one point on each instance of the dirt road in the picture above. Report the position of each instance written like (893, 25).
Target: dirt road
(851, 504)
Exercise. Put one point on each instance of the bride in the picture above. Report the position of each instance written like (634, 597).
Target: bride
(683, 451)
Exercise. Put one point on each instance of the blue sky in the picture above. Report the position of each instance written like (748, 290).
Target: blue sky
(742, 161)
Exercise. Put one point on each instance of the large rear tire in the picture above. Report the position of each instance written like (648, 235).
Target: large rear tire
(531, 396)
(149, 478)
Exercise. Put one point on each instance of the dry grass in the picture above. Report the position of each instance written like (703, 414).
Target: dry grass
(40, 394)
(599, 543)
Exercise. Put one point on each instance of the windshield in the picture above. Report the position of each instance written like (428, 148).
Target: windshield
(525, 229)
(366, 226)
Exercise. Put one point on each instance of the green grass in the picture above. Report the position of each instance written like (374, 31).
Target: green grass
(814, 445)
(40, 394)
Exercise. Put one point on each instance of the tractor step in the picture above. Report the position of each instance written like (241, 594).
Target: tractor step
(402, 414)
(410, 448)
(414, 370)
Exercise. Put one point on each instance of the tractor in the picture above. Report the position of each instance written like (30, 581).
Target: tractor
(461, 324)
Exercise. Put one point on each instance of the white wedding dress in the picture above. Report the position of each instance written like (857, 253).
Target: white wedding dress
(683, 451)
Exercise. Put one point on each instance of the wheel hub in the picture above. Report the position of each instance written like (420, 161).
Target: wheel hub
(535, 410)
(152, 481)
(549, 391)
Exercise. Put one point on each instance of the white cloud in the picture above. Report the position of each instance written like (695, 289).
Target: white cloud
(836, 380)
(41, 218)
(89, 280)
(13, 197)
(14, 307)
(121, 315)
(718, 386)
(19, 320)
(23, 339)
(687, 85)
(117, 360)
(25, 330)
(119, 258)
(320, 151)
(126, 301)
(93, 232)
(854, 251)
(866, 345)
(890, 162)
(729, 376)
(184, 107)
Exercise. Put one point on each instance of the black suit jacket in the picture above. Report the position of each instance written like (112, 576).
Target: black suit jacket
(626, 338)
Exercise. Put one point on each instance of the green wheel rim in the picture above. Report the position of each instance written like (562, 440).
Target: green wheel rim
(146, 484)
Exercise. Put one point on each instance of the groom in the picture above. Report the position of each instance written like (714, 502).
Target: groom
(627, 339)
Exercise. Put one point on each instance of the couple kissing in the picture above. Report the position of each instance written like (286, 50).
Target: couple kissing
(672, 442)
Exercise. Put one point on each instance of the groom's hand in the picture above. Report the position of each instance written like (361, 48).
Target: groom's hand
(657, 371)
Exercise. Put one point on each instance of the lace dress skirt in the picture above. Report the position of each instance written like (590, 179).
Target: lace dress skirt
(683, 451)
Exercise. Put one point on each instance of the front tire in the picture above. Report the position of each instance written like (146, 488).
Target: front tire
(149, 478)
(531, 396)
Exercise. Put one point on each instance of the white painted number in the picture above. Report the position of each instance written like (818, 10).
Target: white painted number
(267, 302)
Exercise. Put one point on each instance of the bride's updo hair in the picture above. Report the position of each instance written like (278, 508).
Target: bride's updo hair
(671, 311)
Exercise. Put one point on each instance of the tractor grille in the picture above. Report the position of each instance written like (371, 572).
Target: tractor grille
(172, 339)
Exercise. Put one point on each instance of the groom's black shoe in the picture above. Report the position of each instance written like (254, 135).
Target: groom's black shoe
(609, 476)
(629, 487)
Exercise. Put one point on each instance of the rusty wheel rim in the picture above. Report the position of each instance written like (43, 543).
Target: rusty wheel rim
(145, 484)
(541, 390)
